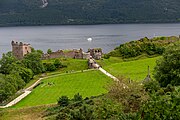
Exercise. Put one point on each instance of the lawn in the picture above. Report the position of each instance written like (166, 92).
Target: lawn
(72, 65)
(135, 70)
(90, 83)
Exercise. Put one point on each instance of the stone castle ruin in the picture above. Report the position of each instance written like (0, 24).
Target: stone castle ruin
(20, 49)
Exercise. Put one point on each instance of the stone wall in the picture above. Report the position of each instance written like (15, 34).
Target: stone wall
(76, 54)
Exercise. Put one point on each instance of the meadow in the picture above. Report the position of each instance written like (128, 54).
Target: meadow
(135, 70)
(89, 83)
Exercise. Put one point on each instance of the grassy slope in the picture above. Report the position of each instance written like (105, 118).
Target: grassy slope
(32, 113)
(88, 84)
(135, 70)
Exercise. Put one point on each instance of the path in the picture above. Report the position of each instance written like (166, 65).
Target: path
(26, 93)
(111, 76)
(28, 90)
(108, 74)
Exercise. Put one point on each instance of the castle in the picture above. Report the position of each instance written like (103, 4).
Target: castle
(20, 49)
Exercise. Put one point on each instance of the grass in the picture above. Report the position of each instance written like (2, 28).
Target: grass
(72, 65)
(90, 83)
(32, 113)
(135, 70)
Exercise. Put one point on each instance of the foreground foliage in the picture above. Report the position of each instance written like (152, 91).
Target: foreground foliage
(164, 104)
(167, 70)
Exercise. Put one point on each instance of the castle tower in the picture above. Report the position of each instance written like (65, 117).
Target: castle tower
(20, 49)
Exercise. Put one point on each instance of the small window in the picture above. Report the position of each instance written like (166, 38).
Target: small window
(26, 48)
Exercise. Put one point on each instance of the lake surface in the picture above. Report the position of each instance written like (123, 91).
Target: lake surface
(106, 37)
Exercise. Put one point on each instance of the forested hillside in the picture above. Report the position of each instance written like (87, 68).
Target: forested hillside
(31, 12)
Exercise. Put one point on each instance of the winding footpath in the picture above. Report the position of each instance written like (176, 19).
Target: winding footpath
(111, 76)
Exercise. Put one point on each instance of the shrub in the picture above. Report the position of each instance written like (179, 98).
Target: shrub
(78, 97)
(49, 66)
(57, 63)
(63, 101)
(106, 56)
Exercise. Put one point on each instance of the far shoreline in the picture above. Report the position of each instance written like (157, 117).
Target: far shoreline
(130, 23)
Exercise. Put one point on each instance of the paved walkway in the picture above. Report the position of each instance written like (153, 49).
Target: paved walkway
(108, 74)
(111, 76)
(26, 93)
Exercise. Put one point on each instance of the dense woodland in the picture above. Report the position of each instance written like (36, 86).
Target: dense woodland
(29, 12)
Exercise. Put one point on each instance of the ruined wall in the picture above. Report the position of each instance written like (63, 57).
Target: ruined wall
(76, 54)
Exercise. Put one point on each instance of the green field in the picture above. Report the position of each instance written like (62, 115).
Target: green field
(72, 65)
(90, 83)
(135, 70)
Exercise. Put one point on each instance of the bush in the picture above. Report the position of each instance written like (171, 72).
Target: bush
(130, 97)
(49, 66)
(151, 86)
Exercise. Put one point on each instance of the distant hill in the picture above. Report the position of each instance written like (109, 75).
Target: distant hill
(31, 12)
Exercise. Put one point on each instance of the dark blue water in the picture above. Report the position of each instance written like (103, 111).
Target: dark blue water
(106, 37)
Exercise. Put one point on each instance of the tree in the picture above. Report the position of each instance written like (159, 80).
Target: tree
(25, 73)
(15, 80)
(6, 88)
(39, 51)
(33, 61)
(167, 70)
(49, 51)
(6, 63)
